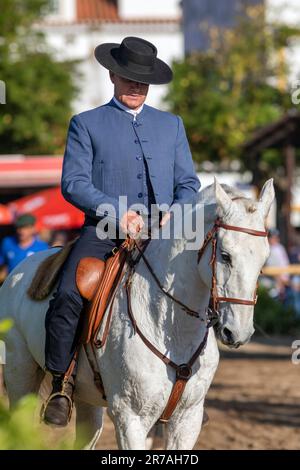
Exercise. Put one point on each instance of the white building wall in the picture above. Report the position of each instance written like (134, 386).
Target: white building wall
(288, 12)
(150, 9)
(62, 10)
(68, 10)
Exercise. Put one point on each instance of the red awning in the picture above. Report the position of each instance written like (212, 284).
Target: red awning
(18, 171)
(50, 208)
(5, 215)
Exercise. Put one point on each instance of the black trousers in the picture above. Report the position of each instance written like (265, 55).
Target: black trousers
(64, 312)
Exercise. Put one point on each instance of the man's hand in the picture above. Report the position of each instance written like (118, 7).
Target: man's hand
(131, 223)
(165, 219)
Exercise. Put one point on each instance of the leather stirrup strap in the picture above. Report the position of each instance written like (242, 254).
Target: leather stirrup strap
(72, 365)
(99, 343)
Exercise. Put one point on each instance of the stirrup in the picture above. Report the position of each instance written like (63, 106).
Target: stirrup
(56, 394)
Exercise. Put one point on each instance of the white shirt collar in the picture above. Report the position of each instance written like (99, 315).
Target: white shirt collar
(134, 112)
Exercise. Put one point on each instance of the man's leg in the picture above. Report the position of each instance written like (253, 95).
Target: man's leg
(62, 320)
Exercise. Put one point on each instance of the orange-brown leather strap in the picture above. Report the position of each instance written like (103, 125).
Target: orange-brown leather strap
(211, 237)
(233, 300)
(176, 394)
(249, 231)
(72, 365)
(145, 340)
(183, 374)
(183, 371)
(99, 343)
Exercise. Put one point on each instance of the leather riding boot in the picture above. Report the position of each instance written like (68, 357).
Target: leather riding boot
(58, 408)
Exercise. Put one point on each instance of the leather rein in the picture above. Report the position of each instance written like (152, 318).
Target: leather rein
(184, 371)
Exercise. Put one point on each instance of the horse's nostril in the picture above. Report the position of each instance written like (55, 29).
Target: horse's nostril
(228, 335)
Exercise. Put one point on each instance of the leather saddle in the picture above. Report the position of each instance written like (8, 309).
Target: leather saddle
(97, 282)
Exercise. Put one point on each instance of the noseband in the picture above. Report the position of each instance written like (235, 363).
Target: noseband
(212, 236)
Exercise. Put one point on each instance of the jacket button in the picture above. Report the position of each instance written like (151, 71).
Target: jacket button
(140, 195)
(140, 176)
(138, 158)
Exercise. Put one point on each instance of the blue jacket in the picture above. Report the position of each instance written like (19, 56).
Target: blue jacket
(105, 154)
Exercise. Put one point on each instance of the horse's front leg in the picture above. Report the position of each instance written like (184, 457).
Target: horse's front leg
(184, 428)
(89, 423)
(131, 429)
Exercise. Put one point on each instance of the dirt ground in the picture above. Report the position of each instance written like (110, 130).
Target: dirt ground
(254, 402)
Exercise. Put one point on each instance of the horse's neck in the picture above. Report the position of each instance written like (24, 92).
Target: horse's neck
(177, 269)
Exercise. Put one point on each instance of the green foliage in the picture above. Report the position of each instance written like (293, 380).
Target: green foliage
(226, 92)
(19, 427)
(19, 431)
(273, 317)
(5, 325)
(39, 90)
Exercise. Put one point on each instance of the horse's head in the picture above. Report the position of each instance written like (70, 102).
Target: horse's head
(239, 258)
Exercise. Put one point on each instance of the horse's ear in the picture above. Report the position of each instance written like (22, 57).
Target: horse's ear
(222, 198)
(266, 197)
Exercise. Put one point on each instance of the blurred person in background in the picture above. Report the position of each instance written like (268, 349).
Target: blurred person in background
(295, 279)
(25, 242)
(279, 258)
(46, 235)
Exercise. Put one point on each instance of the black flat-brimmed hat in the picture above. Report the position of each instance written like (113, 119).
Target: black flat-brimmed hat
(134, 59)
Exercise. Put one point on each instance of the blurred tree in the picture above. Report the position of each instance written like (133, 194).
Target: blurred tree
(39, 90)
(19, 426)
(234, 87)
(19, 429)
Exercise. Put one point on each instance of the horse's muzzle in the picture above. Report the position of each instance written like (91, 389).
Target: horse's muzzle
(229, 338)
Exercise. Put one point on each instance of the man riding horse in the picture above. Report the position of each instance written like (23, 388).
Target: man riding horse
(124, 148)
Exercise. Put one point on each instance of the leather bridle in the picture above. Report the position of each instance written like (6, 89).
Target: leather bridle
(184, 371)
(212, 236)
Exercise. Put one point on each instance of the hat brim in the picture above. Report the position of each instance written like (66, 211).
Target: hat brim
(160, 75)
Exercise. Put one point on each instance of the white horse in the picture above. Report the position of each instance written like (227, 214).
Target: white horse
(137, 383)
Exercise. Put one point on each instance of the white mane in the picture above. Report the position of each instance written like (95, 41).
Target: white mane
(207, 194)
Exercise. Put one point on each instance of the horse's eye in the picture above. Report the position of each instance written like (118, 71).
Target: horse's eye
(226, 257)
